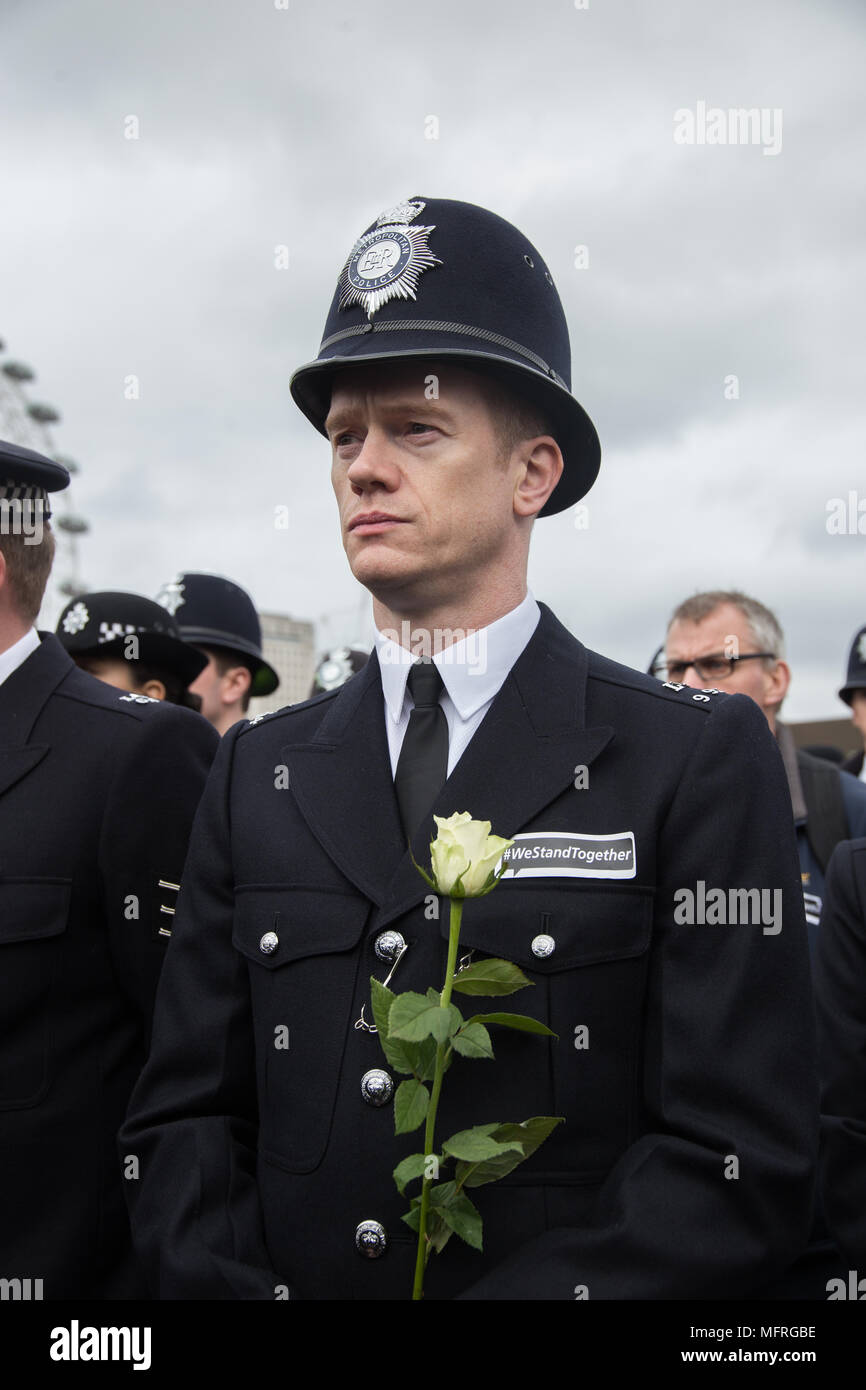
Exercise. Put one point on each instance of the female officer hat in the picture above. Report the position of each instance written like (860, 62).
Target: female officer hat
(441, 279)
(100, 624)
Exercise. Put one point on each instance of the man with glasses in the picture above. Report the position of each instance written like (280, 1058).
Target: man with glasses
(727, 641)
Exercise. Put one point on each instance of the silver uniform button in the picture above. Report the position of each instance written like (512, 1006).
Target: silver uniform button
(388, 945)
(377, 1087)
(371, 1239)
(269, 943)
(543, 946)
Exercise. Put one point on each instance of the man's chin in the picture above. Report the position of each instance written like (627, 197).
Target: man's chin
(383, 574)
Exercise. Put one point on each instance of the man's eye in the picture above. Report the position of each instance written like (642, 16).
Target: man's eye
(417, 427)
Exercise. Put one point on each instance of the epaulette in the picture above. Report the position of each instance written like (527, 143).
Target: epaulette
(288, 709)
(702, 697)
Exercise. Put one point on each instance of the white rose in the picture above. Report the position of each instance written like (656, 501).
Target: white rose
(465, 846)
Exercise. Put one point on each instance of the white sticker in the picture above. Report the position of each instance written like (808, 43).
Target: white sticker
(563, 854)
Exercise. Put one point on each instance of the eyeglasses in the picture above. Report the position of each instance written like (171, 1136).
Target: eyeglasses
(716, 667)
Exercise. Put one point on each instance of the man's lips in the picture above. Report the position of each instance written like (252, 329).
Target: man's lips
(368, 523)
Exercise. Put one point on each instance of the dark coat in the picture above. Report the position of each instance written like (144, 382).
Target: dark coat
(258, 1163)
(840, 988)
(97, 794)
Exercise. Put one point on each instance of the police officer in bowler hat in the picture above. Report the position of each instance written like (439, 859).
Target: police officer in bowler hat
(218, 618)
(98, 787)
(443, 386)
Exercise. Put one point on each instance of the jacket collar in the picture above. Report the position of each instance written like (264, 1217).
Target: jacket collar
(23, 696)
(520, 758)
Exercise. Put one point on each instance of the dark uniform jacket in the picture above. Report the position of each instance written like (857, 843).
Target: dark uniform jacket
(840, 988)
(97, 794)
(258, 1161)
(829, 805)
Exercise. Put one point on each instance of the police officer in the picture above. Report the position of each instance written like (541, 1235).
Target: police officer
(443, 385)
(853, 692)
(132, 643)
(97, 792)
(218, 618)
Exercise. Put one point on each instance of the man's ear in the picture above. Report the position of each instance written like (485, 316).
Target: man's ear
(235, 684)
(779, 679)
(542, 469)
(154, 688)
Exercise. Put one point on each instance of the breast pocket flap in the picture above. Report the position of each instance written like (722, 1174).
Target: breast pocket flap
(275, 926)
(31, 909)
(548, 929)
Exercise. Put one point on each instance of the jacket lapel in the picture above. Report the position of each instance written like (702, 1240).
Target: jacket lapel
(342, 783)
(23, 696)
(521, 757)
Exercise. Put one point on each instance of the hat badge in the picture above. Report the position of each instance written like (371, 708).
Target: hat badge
(171, 597)
(334, 669)
(386, 263)
(76, 619)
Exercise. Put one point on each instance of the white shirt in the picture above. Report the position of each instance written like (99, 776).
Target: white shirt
(472, 672)
(17, 654)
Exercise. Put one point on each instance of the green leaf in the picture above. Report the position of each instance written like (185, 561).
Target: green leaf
(522, 1022)
(410, 1106)
(474, 1145)
(456, 1016)
(438, 1234)
(414, 1059)
(409, 1169)
(490, 977)
(530, 1135)
(458, 1213)
(414, 1016)
(382, 999)
(424, 1055)
(473, 1040)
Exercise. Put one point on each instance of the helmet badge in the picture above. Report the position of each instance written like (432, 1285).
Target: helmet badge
(386, 263)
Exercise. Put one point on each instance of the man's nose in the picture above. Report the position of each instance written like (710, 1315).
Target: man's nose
(374, 461)
(691, 678)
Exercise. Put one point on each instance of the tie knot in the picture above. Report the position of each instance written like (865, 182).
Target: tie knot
(425, 684)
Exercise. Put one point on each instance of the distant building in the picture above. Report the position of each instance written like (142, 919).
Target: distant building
(289, 645)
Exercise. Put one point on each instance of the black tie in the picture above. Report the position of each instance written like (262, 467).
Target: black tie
(422, 766)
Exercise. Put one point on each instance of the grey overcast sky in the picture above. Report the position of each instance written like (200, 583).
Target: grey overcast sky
(264, 124)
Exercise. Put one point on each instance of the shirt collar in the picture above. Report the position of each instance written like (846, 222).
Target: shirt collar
(17, 654)
(472, 669)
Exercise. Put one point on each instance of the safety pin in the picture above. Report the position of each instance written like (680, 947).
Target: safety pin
(361, 1023)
